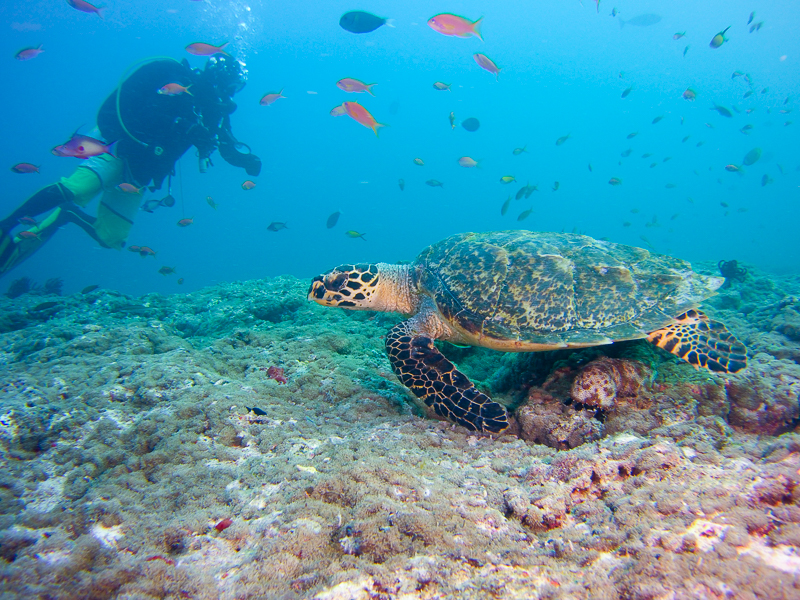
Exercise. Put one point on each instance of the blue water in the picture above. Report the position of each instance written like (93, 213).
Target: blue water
(561, 64)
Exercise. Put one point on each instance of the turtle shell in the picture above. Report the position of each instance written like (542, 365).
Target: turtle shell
(528, 290)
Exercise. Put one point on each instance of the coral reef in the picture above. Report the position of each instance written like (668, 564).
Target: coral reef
(147, 451)
(20, 286)
(54, 285)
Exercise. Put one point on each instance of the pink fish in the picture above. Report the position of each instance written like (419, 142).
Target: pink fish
(270, 98)
(466, 161)
(83, 146)
(25, 168)
(174, 89)
(129, 188)
(84, 6)
(29, 235)
(360, 114)
(354, 85)
(203, 49)
(484, 62)
(28, 53)
(338, 111)
(448, 24)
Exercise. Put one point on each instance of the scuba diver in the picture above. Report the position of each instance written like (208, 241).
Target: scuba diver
(152, 129)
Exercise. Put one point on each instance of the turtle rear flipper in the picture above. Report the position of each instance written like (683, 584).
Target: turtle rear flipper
(702, 342)
(437, 382)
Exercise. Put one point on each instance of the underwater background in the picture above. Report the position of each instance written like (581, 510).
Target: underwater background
(564, 66)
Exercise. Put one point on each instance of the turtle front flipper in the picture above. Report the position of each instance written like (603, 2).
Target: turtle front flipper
(436, 381)
(702, 342)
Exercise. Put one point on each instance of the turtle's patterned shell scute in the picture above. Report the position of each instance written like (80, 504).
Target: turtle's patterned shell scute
(555, 289)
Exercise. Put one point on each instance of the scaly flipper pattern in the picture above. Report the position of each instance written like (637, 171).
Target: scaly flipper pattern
(436, 381)
(702, 342)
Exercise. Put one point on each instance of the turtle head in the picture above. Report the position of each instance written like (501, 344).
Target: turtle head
(379, 287)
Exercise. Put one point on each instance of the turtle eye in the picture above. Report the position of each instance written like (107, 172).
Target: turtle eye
(335, 281)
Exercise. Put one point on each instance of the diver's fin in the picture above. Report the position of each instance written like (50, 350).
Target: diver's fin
(702, 342)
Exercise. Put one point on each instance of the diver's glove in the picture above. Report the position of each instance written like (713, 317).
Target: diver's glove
(249, 162)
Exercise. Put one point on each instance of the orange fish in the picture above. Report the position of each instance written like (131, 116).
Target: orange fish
(486, 63)
(134, 248)
(354, 85)
(174, 89)
(689, 94)
(180, 281)
(185, 222)
(466, 161)
(615, 181)
(270, 98)
(338, 111)
(360, 114)
(248, 185)
(29, 235)
(203, 49)
(28, 53)
(25, 168)
(144, 251)
(129, 189)
(448, 24)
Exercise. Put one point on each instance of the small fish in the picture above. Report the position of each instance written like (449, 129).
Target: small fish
(530, 190)
(525, 214)
(562, 139)
(652, 165)
(453, 25)
(521, 192)
(271, 97)
(675, 216)
(186, 222)
(134, 248)
(434, 183)
(145, 251)
(518, 151)
(354, 85)
(28, 53)
(89, 288)
(590, 167)
(615, 181)
(358, 21)
(438, 85)
(719, 39)
(29, 235)
(504, 208)
(333, 219)
(354, 234)
(361, 115)
(466, 161)
(626, 153)
(722, 110)
(765, 180)
(211, 203)
(736, 74)
(338, 111)
(645, 20)
(700, 143)
(83, 146)
(84, 6)
(709, 125)
(614, 12)
(556, 185)
(256, 411)
(752, 157)
(626, 92)
(452, 120)
(724, 204)
(166, 270)
(733, 168)
(657, 119)
(752, 16)
(667, 158)
(635, 211)
(174, 89)
(277, 226)
(507, 179)
(248, 185)
(689, 94)
(402, 184)
(756, 26)
(647, 155)
(686, 138)
(747, 94)
(44, 306)
(27, 221)
(670, 186)
(203, 49)
(632, 135)
(685, 50)
(180, 281)
(487, 64)
(24, 168)
(765, 90)
(129, 188)
(419, 162)
(677, 36)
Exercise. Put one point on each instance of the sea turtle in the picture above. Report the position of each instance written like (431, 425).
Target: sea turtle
(525, 291)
